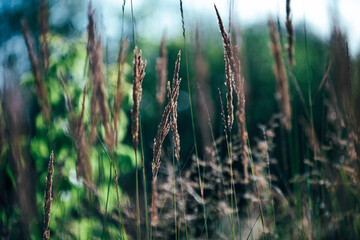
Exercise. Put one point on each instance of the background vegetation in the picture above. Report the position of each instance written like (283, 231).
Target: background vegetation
(61, 91)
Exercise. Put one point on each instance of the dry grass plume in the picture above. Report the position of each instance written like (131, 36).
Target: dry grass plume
(99, 108)
(229, 67)
(163, 130)
(283, 95)
(40, 87)
(83, 167)
(138, 74)
(239, 86)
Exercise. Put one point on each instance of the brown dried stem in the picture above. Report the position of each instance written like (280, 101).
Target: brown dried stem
(240, 114)
(83, 167)
(48, 197)
(44, 28)
(99, 108)
(290, 35)
(139, 73)
(163, 130)
(281, 77)
(40, 87)
(230, 69)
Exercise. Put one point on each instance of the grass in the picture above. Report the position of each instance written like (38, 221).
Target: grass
(278, 168)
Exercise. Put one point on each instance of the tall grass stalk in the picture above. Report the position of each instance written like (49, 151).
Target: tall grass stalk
(108, 190)
(311, 122)
(175, 217)
(213, 140)
(256, 187)
(192, 120)
(107, 201)
(138, 232)
(183, 200)
(232, 186)
(233, 77)
(144, 183)
(133, 22)
(269, 176)
(138, 74)
(48, 197)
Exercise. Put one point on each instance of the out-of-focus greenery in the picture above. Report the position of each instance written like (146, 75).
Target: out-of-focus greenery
(68, 57)
(78, 213)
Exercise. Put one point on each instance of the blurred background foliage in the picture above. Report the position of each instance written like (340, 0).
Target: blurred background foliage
(74, 213)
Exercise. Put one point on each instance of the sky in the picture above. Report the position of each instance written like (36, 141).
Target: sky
(164, 14)
(155, 17)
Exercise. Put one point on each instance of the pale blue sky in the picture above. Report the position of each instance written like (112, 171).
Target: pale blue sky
(164, 15)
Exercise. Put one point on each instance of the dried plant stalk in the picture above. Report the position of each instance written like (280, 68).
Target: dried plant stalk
(139, 74)
(119, 96)
(164, 127)
(44, 28)
(163, 130)
(117, 195)
(234, 77)
(223, 114)
(290, 35)
(240, 114)
(99, 108)
(39, 83)
(154, 215)
(173, 105)
(48, 197)
(161, 70)
(230, 68)
(77, 131)
(83, 167)
(226, 40)
(281, 78)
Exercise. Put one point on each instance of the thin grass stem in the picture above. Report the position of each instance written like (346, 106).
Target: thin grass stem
(192, 120)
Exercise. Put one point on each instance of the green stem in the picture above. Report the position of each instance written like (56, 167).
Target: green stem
(173, 158)
(194, 134)
(138, 232)
(107, 201)
(144, 183)
(133, 22)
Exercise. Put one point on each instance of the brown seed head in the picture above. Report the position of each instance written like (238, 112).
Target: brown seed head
(139, 73)
(230, 68)
(164, 126)
(163, 130)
